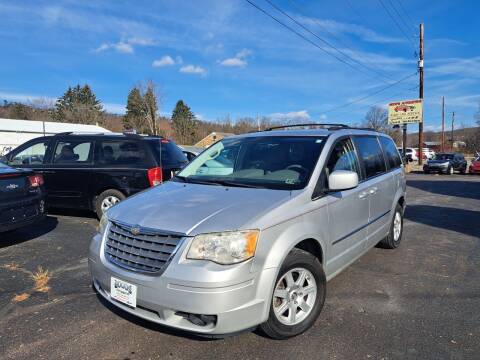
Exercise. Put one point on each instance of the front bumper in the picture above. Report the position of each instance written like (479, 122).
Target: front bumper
(238, 298)
(435, 168)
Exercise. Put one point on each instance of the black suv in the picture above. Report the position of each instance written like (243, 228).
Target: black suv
(96, 171)
(446, 163)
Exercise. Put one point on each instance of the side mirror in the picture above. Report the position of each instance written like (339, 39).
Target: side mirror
(342, 180)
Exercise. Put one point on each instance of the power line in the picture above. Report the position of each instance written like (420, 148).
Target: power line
(399, 15)
(386, 99)
(369, 95)
(306, 38)
(406, 13)
(325, 41)
(397, 24)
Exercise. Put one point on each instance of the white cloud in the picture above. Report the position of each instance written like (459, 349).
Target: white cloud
(233, 62)
(301, 115)
(240, 59)
(114, 108)
(127, 46)
(166, 60)
(193, 69)
(24, 98)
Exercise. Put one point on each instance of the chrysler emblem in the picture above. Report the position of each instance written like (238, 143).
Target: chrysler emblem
(135, 230)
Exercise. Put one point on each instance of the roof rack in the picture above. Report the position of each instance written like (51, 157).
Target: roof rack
(325, 125)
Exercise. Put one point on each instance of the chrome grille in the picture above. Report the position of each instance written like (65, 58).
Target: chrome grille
(140, 249)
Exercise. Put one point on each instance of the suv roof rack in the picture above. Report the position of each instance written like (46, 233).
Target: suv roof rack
(328, 126)
(325, 125)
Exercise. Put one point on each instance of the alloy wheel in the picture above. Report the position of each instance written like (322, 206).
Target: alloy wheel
(294, 296)
(108, 202)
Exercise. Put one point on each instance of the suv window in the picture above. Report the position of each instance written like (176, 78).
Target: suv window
(371, 154)
(71, 152)
(391, 153)
(120, 152)
(172, 155)
(343, 157)
(34, 154)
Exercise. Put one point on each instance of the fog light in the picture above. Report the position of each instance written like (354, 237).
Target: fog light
(198, 319)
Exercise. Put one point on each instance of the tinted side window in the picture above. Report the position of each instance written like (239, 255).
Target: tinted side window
(120, 152)
(391, 153)
(34, 154)
(72, 152)
(370, 153)
(171, 154)
(343, 157)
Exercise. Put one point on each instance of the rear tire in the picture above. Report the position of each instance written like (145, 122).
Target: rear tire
(107, 199)
(394, 237)
(301, 289)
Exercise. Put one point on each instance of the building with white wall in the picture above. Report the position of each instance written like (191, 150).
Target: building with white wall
(16, 132)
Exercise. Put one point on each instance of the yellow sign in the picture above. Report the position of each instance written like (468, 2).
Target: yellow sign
(405, 112)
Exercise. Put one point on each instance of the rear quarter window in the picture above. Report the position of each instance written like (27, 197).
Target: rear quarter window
(167, 153)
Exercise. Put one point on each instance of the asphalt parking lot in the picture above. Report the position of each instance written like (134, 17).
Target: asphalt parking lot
(421, 301)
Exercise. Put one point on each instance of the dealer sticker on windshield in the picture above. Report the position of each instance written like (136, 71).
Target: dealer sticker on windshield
(123, 292)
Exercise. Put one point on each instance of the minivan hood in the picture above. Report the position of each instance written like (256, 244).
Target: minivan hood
(193, 208)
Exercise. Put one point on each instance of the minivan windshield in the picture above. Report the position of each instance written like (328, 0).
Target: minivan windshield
(273, 162)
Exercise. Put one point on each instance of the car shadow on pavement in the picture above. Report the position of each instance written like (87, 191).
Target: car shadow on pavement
(458, 188)
(154, 326)
(29, 232)
(454, 219)
(72, 212)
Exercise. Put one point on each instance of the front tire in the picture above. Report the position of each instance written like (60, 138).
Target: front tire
(298, 296)
(450, 170)
(394, 237)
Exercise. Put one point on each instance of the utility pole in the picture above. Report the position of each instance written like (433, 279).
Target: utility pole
(420, 72)
(453, 121)
(443, 124)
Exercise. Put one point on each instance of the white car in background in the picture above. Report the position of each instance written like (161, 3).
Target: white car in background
(428, 154)
(410, 153)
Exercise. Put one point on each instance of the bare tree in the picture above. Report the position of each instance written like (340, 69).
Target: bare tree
(376, 118)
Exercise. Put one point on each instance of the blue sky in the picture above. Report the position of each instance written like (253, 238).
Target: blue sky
(226, 58)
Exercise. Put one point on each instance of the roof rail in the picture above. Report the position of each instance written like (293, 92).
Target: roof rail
(323, 125)
(64, 133)
(326, 125)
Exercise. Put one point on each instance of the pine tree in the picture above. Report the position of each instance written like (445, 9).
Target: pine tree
(135, 117)
(184, 123)
(78, 105)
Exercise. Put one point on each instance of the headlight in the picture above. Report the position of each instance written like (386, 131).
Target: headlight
(102, 225)
(229, 247)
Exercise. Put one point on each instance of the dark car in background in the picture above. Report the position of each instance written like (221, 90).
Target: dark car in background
(21, 197)
(96, 171)
(446, 163)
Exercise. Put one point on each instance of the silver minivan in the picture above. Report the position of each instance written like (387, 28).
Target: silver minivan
(251, 230)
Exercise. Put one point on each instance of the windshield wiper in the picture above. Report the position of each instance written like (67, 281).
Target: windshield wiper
(236, 184)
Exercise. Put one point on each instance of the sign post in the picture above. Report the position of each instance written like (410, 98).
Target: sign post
(405, 112)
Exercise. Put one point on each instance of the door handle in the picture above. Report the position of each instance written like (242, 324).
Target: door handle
(373, 190)
(363, 195)
(45, 171)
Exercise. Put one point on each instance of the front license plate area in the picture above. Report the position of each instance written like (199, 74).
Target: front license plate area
(123, 292)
